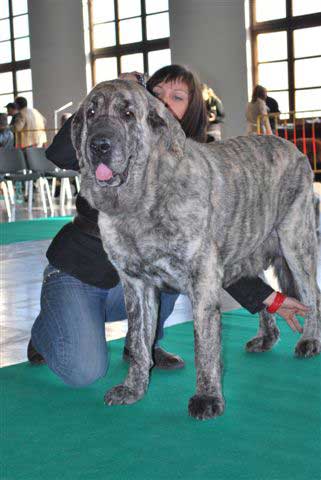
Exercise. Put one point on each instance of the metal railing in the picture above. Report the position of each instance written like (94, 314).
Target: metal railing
(303, 130)
(305, 133)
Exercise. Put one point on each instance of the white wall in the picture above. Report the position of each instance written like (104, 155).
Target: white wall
(57, 54)
(209, 36)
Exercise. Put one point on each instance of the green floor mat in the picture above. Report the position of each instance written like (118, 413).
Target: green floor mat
(27, 230)
(270, 429)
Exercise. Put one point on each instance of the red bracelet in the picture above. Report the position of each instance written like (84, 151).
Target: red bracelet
(279, 299)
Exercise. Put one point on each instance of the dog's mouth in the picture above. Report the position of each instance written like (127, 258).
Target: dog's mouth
(105, 177)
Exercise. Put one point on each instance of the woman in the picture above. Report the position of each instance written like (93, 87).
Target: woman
(81, 288)
(257, 112)
(215, 113)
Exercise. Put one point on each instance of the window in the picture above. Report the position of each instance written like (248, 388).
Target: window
(300, 7)
(269, 10)
(127, 36)
(15, 72)
(307, 67)
(286, 52)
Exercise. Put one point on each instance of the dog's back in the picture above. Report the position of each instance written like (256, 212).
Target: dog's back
(251, 183)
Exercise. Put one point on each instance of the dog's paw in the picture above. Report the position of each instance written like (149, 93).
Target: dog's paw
(308, 348)
(121, 395)
(203, 407)
(263, 343)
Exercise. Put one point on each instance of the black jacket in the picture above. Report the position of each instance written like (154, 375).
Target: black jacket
(80, 254)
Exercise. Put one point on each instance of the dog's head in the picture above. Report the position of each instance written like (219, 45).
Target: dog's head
(114, 132)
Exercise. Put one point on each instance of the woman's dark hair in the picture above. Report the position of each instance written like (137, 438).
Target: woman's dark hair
(258, 92)
(194, 122)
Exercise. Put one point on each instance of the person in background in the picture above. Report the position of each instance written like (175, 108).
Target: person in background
(12, 110)
(29, 125)
(257, 111)
(215, 113)
(6, 135)
(273, 107)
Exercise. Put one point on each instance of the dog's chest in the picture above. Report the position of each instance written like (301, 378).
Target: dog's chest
(145, 255)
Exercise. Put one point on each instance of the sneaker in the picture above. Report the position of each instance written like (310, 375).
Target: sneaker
(34, 357)
(162, 359)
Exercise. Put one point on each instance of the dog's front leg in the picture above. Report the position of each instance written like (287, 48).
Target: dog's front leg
(142, 303)
(205, 297)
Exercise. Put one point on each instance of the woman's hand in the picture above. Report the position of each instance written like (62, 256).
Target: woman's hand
(288, 311)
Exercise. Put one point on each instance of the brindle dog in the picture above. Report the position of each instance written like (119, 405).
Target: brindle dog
(192, 217)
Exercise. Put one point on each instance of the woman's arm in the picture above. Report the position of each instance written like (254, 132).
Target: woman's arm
(268, 129)
(255, 295)
(19, 122)
(250, 293)
(61, 152)
(265, 117)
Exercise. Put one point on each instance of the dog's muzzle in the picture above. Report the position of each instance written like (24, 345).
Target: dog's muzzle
(101, 152)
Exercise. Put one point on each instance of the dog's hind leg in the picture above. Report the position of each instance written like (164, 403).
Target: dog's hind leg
(142, 304)
(298, 241)
(268, 334)
(205, 297)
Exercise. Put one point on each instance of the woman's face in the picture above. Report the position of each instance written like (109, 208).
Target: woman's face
(174, 95)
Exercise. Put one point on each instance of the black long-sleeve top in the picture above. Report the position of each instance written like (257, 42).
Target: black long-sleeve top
(82, 255)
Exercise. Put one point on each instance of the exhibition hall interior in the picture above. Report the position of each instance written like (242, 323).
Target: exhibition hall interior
(241, 77)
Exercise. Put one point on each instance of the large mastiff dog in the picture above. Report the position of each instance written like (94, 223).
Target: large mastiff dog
(191, 217)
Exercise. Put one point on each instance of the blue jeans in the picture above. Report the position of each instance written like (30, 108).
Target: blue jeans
(70, 329)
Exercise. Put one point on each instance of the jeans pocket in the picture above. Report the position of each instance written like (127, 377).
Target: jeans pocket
(49, 272)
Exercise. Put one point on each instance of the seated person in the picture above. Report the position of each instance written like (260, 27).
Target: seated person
(6, 135)
(257, 113)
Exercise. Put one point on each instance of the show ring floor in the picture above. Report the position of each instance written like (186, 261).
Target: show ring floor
(270, 429)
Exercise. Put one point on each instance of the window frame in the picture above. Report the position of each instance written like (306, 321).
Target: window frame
(144, 46)
(15, 65)
(289, 23)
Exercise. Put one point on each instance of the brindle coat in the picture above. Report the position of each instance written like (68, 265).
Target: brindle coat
(192, 217)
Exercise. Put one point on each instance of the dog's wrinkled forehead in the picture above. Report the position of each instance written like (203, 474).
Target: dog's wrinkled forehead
(117, 95)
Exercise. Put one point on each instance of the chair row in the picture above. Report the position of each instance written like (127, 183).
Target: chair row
(32, 165)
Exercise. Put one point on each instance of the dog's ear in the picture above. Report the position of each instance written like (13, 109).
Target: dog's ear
(163, 122)
(76, 129)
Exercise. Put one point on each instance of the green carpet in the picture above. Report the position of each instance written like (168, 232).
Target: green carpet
(27, 230)
(270, 429)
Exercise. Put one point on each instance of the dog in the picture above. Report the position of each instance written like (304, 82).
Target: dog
(180, 215)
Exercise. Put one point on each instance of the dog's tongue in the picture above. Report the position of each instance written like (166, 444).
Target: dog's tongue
(103, 172)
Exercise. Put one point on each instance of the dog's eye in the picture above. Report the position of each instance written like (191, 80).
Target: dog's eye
(90, 112)
(129, 114)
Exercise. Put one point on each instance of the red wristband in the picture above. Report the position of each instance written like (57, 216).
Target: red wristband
(279, 299)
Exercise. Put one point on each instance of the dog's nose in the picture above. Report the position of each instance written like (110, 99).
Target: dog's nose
(100, 145)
